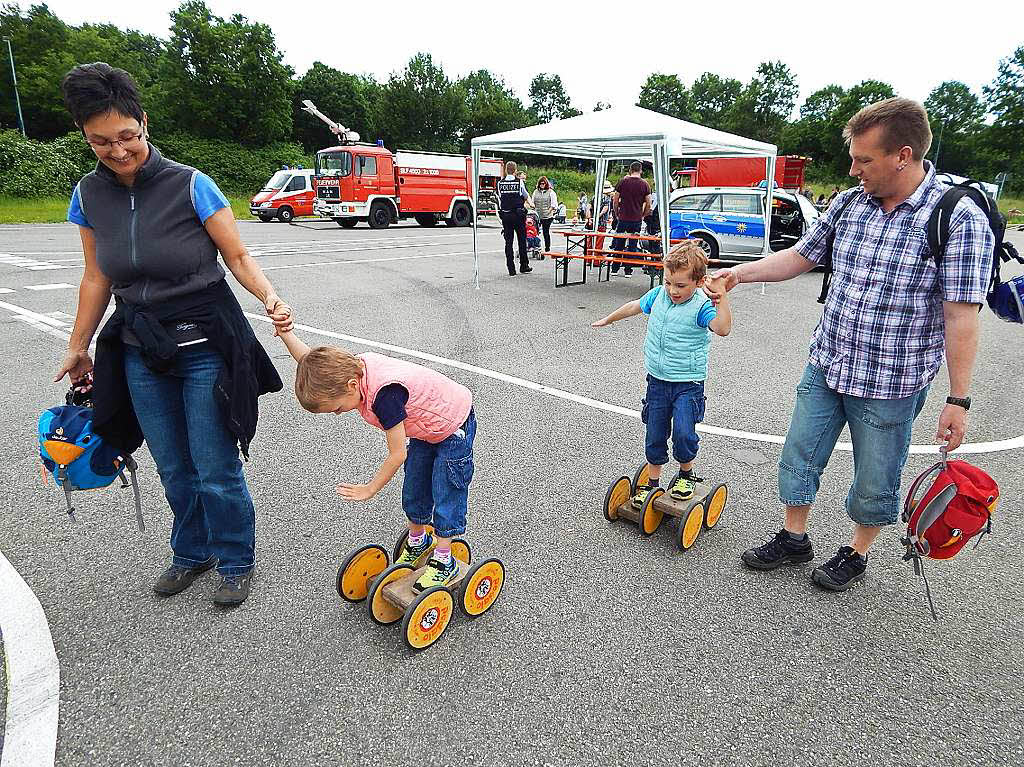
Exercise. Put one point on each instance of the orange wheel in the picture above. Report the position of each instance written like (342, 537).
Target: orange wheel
(617, 495)
(716, 505)
(381, 610)
(640, 477)
(690, 525)
(427, 617)
(482, 586)
(359, 568)
(650, 517)
(461, 550)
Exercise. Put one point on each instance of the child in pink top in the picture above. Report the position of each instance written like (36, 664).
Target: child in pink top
(429, 425)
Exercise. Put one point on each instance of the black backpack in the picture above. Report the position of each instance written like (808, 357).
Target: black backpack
(938, 236)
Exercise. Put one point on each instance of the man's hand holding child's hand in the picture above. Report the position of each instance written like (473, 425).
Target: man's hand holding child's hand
(355, 492)
(715, 288)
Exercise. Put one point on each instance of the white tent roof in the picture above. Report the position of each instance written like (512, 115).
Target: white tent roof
(628, 133)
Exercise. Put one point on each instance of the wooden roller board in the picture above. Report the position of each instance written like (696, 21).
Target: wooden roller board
(666, 505)
(400, 593)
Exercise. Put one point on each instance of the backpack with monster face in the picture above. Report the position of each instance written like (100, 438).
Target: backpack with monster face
(76, 457)
(957, 506)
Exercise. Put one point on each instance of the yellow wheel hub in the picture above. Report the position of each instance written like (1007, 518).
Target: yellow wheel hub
(618, 494)
(692, 526)
(651, 519)
(483, 587)
(361, 567)
(716, 506)
(428, 618)
(381, 610)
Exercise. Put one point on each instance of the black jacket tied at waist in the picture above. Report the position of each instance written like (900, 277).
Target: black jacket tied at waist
(248, 371)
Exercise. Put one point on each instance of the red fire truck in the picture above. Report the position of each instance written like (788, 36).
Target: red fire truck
(743, 171)
(365, 182)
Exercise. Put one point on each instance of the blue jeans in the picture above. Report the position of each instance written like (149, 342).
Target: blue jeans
(436, 486)
(880, 430)
(676, 408)
(197, 458)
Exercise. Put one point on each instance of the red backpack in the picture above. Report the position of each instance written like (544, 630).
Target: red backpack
(956, 506)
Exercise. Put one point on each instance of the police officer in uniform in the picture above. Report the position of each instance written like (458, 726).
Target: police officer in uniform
(512, 201)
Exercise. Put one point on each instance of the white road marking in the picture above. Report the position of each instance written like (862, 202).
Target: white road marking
(6, 290)
(968, 448)
(53, 286)
(33, 675)
(28, 263)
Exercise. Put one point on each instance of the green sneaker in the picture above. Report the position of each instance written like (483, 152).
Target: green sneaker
(412, 556)
(642, 491)
(683, 487)
(437, 574)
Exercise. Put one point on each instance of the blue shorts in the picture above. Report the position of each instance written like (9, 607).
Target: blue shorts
(880, 430)
(435, 490)
(675, 408)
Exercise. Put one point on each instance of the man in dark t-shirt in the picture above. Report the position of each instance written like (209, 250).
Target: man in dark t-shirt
(632, 202)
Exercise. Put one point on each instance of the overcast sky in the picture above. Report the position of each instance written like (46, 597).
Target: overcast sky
(604, 54)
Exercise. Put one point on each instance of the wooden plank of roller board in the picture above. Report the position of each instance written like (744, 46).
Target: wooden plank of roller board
(400, 593)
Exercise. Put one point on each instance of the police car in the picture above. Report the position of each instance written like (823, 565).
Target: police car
(729, 221)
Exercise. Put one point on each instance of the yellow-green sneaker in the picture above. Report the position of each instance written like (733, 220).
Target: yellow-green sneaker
(414, 556)
(683, 487)
(640, 496)
(437, 574)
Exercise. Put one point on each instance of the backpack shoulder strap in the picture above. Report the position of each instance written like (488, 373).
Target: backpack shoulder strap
(942, 214)
(830, 241)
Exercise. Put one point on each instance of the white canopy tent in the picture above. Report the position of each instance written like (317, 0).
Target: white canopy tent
(629, 133)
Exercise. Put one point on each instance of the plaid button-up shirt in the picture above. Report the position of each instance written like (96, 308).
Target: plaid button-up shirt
(882, 332)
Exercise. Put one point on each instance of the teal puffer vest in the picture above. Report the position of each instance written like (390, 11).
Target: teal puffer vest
(676, 348)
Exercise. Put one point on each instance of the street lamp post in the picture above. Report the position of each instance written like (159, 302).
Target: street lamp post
(14, 79)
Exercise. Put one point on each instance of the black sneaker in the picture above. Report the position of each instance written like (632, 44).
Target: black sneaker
(525, 269)
(176, 578)
(842, 571)
(780, 550)
(233, 590)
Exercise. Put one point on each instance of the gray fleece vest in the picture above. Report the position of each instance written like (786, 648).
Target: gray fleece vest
(150, 242)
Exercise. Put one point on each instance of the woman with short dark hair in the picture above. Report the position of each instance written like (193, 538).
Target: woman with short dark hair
(177, 364)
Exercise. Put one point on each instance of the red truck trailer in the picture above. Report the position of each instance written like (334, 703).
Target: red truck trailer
(743, 171)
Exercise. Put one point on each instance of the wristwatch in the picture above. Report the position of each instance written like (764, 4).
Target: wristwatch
(964, 402)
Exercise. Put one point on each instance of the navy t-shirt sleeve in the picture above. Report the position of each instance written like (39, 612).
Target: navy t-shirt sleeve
(207, 199)
(389, 405)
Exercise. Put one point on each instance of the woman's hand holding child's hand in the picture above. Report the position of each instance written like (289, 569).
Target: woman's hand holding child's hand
(355, 492)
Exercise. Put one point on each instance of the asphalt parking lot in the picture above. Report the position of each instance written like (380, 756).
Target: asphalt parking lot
(605, 647)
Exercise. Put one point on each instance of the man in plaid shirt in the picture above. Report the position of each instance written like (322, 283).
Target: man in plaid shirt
(890, 315)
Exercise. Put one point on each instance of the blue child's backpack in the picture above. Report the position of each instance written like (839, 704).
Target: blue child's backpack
(78, 458)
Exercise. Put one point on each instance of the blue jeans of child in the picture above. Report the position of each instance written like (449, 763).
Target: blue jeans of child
(880, 430)
(436, 486)
(197, 458)
(672, 407)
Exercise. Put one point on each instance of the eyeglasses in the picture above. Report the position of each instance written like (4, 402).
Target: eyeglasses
(107, 146)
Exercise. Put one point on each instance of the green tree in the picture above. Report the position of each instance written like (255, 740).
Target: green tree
(955, 114)
(765, 104)
(491, 107)
(856, 98)
(822, 103)
(1002, 142)
(548, 99)
(341, 96)
(600, 106)
(422, 109)
(226, 79)
(665, 94)
(711, 97)
(812, 133)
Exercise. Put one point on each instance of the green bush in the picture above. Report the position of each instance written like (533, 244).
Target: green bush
(49, 169)
(35, 169)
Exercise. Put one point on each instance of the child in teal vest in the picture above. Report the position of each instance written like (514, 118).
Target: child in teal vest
(682, 319)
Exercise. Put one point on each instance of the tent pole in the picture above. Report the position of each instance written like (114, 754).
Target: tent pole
(770, 170)
(600, 171)
(661, 171)
(476, 214)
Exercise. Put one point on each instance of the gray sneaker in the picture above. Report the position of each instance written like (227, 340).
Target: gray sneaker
(176, 578)
(233, 589)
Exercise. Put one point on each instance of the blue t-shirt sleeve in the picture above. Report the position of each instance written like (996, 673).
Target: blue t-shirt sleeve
(207, 199)
(648, 300)
(389, 405)
(75, 213)
(706, 314)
